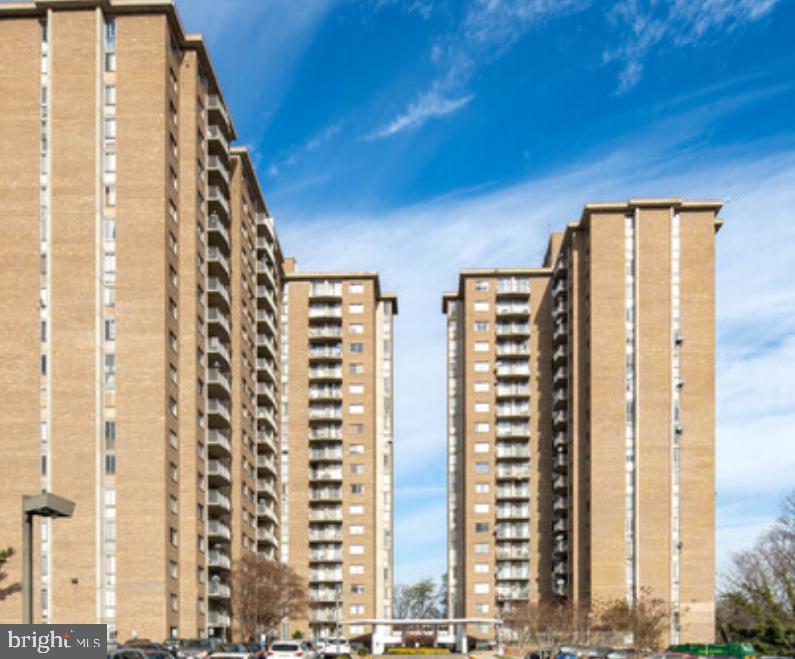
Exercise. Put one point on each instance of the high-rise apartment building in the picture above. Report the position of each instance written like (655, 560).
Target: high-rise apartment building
(336, 445)
(139, 324)
(581, 428)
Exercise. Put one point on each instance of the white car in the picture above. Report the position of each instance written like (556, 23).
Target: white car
(291, 650)
(337, 647)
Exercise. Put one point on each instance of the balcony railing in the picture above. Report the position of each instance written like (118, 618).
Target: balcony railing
(215, 498)
(514, 389)
(215, 345)
(321, 515)
(215, 133)
(513, 551)
(325, 474)
(217, 559)
(325, 373)
(325, 433)
(513, 430)
(218, 468)
(325, 331)
(220, 590)
(513, 286)
(513, 410)
(215, 285)
(513, 512)
(513, 309)
(513, 451)
(325, 495)
(216, 316)
(510, 368)
(215, 194)
(513, 471)
(513, 329)
(331, 352)
(215, 406)
(325, 290)
(326, 535)
(215, 255)
(266, 536)
(325, 311)
(215, 164)
(504, 492)
(218, 529)
(217, 438)
(215, 619)
(513, 348)
(325, 412)
(325, 575)
(214, 224)
(512, 531)
(216, 376)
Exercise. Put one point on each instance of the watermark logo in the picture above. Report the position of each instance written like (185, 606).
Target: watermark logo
(53, 641)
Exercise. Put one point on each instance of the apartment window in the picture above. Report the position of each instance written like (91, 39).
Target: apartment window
(481, 568)
(43, 465)
(357, 609)
(172, 406)
(173, 472)
(110, 128)
(357, 489)
(172, 439)
(356, 569)
(482, 588)
(356, 388)
(356, 428)
(172, 373)
(110, 371)
(172, 210)
(481, 387)
(482, 447)
(43, 365)
(357, 469)
(110, 163)
(357, 448)
(357, 589)
(356, 328)
(110, 464)
(482, 426)
(357, 529)
(356, 408)
(481, 346)
(481, 367)
(481, 467)
(481, 285)
(481, 488)
(482, 607)
(356, 509)
(109, 225)
(481, 527)
(174, 178)
(110, 34)
(481, 326)
(482, 548)
(357, 550)
(481, 306)
(356, 289)
(172, 242)
(482, 509)
(110, 62)
(110, 195)
(172, 569)
(110, 434)
(109, 265)
(481, 407)
(172, 340)
(172, 307)
(357, 348)
(110, 95)
(356, 308)
(172, 503)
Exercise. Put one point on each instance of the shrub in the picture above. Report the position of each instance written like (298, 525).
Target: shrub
(418, 651)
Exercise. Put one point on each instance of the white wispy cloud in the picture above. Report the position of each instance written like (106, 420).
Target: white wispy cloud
(487, 30)
(646, 27)
(429, 105)
(291, 156)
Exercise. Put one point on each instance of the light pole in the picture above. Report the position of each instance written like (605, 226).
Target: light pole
(45, 504)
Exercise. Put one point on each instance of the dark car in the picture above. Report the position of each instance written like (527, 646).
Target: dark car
(256, 648)
(197, 648)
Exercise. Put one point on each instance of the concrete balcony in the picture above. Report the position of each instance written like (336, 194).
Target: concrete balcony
(331, 494)
(512, 551)
(559, 441)
(513, 329)
(266, 462)
(559, 420)
(560, 462)
(325, 535)
(325, 515)
(325, 332)
(217, 290)
(264, 535)
(215, 619)
(325, 393)
(560, 309)
(561, 375)
(519, 430)
(513, 287)
(560, 356)
(513, 573)
(506, 310)
(513, 369)
(560, 484)
(333, 353)
(218, 440)
(216, 137)
(215, 257)
(218, 591)
(560, 398)
(325, 373)
(219, 319)
(560, 288)
(218, 470)
(513, 390)
(218, 348)
(325, 575)
(217, 500)
(325, 555)
(560, 333)
(264, 414)
(325, 475)
(219, 560)
(325, 311)
(215, 225)
(216, 378)
(217, 167)
(513, 451)
(509, 471)
(324, 595)
(325, 291)
(513, 348)
(510, 593)
(512, 532)
(325, 412)
(217, 110)
(267, 510)
(325, 433)
(512, 492)
(513, 411)
(219, 409)
(217, 529)
(268, 367)
(512, 512)
(217, 196)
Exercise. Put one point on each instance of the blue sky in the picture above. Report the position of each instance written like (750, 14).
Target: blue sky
(417, 137)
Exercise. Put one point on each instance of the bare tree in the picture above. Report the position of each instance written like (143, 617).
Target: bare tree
(5, 591)
(546, 624)
(757, 604)
(645, 619)
(265, 592)
(419, 600)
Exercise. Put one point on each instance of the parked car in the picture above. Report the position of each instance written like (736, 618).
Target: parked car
(231, 655)
(126, 653)
(320, 644)
(197, 648)
(256, 648)
(292, 649)
(337, 647)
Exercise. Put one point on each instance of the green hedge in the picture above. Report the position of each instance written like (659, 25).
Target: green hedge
(418, 651)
